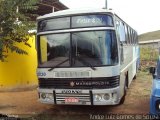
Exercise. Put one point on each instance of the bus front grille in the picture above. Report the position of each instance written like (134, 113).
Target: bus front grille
(79, 83)
(72, 74)
(82, 98)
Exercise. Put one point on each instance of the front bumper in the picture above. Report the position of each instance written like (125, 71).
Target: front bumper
(79, 96)
(155, 105)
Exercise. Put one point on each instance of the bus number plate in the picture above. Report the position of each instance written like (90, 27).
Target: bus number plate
(71, 100)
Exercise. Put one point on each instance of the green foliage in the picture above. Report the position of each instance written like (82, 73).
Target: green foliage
(1, 49)
(148, 58)
(15, 22)
(148, 54)
(149, 36)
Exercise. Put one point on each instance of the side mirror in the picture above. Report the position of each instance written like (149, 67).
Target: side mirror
(152, 70)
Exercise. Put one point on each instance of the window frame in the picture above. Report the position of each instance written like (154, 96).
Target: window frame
(70, 22)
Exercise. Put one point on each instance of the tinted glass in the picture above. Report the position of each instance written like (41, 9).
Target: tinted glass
(96, 48)
(92, 20)
(82, 49)
(54, 24)
(77, 22)
(54, 50)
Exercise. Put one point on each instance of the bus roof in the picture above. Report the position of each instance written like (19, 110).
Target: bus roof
(73, 12)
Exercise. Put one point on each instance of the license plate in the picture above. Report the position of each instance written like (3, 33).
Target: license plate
(71, 100)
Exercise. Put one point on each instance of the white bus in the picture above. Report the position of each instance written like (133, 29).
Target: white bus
(85, 57)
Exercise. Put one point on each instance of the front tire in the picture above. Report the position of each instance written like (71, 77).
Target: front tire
(124, 95)
(135, 77)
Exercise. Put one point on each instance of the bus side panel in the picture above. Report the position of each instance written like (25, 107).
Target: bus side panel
(129, 64)
(122, 83)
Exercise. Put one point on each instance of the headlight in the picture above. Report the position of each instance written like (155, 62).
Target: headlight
(102, 97)
(46, 96)
(97, 97)
(106, 96)
(43, 95)
(158, 105)
(50, 96)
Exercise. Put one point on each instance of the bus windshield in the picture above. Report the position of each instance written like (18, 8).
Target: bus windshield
(78, 49)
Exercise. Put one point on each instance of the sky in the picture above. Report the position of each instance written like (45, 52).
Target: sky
(142, 15)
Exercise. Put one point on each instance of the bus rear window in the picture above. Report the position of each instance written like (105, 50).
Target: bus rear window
(92, 20)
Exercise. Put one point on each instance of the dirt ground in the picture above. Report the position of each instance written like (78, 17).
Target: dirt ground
(25, 104)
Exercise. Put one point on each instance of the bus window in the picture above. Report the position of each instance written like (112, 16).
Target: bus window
(92, 20)
(54, 24)
(121, 32)
(126, 34)
(57, 49)
(43, 49)
(97, 47)
(129, 35)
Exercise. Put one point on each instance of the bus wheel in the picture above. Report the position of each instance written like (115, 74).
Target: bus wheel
(135, 76)
(124, 95)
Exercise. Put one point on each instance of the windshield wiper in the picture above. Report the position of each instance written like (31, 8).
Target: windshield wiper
(86, 63)
(80, 59)
(58, 64)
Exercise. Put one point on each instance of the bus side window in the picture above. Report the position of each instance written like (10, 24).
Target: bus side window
(121, 37)
(126, 34)
(121, 31)
(121, 53)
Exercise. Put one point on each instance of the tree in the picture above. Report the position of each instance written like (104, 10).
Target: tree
(15, 22)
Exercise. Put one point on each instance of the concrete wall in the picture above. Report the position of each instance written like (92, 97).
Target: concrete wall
(20, 70)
